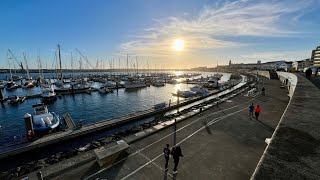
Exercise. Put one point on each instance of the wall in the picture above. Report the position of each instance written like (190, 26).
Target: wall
(289, 80)
(294, 149)
(264, 73)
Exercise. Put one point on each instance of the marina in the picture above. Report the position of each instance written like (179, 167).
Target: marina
(115, 104)
(73, 132)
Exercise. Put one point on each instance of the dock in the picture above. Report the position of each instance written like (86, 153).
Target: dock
(69, 122)
(72, 132)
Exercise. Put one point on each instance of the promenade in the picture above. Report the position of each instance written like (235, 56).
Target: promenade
(221, 143)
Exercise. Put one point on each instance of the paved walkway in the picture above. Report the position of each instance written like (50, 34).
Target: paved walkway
(221, 143)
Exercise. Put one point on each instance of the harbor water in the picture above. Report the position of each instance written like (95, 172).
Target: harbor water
(88, 108)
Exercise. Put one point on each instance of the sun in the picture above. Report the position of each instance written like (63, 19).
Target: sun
(178, 45)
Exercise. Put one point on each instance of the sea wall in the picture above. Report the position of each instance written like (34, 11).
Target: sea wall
(289, 80)
(294, 149)
(264, 73)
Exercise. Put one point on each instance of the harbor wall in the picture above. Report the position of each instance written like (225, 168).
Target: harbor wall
(289, 80)
(264, 73)
(294, 149)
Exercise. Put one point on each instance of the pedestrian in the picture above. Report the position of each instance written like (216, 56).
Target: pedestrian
(257, 112)
(251, 109)
(176, 153)
(308, 73)
(263, 91)
(166, 153)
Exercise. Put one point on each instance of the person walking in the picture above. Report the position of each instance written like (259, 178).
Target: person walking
(177, 153)
(166, 153)
(251, 109)
(257, 112)
(263, 91)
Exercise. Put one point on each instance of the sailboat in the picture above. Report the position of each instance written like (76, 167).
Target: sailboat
(11, 84)
(28, 83)
(59, 82)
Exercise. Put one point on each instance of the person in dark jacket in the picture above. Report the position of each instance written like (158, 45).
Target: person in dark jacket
(263, 91)
(251, 109)
(166, 153)
(176, 153)
(308, 73)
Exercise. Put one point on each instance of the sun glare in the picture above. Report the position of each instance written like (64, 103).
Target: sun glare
(178, 45)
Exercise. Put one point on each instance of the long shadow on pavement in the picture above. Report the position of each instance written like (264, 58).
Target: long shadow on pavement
(165, 176)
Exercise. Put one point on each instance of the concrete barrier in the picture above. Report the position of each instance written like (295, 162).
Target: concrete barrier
(264, 73)
(107, 156)
(289, 80)
(294, 149)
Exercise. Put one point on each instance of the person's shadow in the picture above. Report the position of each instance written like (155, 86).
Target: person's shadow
(165, 176)
(174, 176)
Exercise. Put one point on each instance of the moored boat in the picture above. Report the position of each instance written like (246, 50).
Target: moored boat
(48, 95)
(43, 121)
(28, 84)
(105, 90)
(185, 94)
(133, 84)
(158, 83)
(15, 99)
(199, 90)
(11, 85)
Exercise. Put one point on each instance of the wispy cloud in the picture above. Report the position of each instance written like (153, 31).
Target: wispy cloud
(207, 29)
(286, 55)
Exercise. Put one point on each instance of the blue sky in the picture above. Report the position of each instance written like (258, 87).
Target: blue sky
(213, 31)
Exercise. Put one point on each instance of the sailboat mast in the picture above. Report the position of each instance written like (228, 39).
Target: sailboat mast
(71, 65)
(127, 65)
(25, 59)
(60, 62)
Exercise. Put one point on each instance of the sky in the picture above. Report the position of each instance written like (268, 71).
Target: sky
(213, 32)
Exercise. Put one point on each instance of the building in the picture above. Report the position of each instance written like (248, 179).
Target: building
(315, 57)
(302, 64)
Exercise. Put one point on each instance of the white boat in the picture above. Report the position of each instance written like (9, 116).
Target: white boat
(185, 94)
(28, 84)
(109, 85)
(82, 85)
(11, 85)
(158, 83)
(59, 82)
(43, 120)
(133, 84)
(105, 90)
(172, 81)
(48, 95)
(15, 99)
(217, 76)
(213, 82)
(199, 90)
